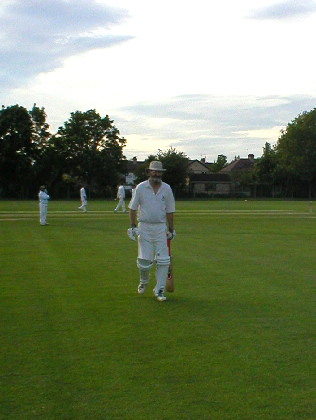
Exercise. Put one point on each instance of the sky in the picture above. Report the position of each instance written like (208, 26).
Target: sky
(207, 77)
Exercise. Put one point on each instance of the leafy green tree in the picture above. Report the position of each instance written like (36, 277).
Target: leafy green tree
(51, 166)
(220, 163)
(91, 149)
(265, 169)
(40, 133)
(245, 181)
(140, 171)
(296, 151)
(40, 139)
(176, 165)
(15, 151)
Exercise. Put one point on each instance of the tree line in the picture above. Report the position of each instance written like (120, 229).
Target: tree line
(288, 169)
(88, 149)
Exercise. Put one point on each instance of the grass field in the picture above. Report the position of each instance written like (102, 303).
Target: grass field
(235, 341)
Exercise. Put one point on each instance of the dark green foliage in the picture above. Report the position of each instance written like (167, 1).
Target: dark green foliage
(296, 151)
(92, 150)
(220, 163)
(87, 149)
(16, 151)
(176, 165)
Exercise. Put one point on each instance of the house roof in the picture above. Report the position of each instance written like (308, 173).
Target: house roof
(214, 177)
(205, 165)
(133, 164)
(238, 165)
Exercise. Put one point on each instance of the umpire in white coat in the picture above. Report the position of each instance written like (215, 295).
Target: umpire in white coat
(154, 205)
(43, 204)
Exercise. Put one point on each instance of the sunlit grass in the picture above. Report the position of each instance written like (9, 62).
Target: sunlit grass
(235, 340)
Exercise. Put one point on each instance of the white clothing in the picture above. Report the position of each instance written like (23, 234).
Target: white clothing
(83, 198)
(152, 241)
(43, 204)
(121, 192)
(152, 207)
(83, 195)
(121, 196)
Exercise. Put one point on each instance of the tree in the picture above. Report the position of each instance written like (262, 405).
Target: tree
(40, 133)
(176, 165)
(91, 149)
(220, 163)
(265, 169)
(40, 139)
(296, 151)
(15, 151)
(140, 171)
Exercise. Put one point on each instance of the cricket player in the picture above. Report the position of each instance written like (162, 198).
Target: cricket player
(121, 197)
(43, 204)
(154, 205)
(83, 198)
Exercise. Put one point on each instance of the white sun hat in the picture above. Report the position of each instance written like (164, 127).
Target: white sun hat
(155, 165)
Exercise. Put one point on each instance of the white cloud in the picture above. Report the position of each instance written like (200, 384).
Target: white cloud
(38, 37)
(203, 77)
(284, 10)
(209, 125)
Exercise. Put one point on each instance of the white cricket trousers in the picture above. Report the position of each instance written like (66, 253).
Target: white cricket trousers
(43, 213)
(152, 246)
(121, 203)
(83, 205)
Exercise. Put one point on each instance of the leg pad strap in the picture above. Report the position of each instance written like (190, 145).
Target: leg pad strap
(165, 261)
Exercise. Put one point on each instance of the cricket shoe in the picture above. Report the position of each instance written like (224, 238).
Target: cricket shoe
(141, 288)
(160, 296)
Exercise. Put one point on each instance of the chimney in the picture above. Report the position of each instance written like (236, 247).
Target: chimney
(135, 159)
(251, 157)
(202, 160)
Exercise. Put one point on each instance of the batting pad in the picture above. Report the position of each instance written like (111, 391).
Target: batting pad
(161, 276)
(144, 264)
(144, 269)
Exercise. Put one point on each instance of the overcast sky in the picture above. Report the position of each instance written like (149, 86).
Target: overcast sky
(207, 77)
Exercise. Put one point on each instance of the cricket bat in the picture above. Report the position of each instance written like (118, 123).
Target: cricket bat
(170, 278)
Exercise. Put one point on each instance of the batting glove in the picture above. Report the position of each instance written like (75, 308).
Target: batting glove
(171, 234)
(132, 233)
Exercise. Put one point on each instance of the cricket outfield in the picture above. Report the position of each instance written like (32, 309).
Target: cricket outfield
(236, 340)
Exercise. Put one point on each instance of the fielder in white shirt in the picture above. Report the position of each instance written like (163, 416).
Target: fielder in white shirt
(83, 198)
(43, 204)
(154, 205)
(121, 197)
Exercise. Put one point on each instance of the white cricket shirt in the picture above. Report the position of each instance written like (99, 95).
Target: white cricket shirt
(121, 192)
(83, 195)
(152, 208)
(43, 197)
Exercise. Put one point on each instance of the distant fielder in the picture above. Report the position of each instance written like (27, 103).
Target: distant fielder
(121, 197)
(43, 204)
(83, 198)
